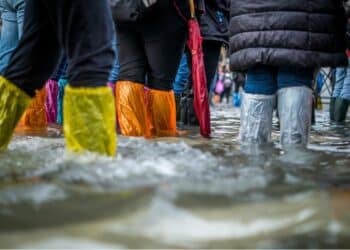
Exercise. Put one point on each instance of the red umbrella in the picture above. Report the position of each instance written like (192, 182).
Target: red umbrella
(200, 89)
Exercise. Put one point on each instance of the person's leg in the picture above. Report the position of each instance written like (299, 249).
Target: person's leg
(9, 34)
(345, 93)
(228, 94)
(342, 102)
(167, 33)
(27, 70)
(340, 74)
(181, 80)
(187, 113)
(85, 31)
(295, 98)
(211, 52)
(19, 6)
(130, 94)
(236, 99)
(53, 91)
(113, 76)
(258, 102)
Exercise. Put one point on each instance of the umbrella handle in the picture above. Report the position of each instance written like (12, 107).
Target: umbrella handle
(192, 8)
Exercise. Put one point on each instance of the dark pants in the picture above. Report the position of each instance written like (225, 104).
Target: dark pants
(61, 69)
(211, 52)
(82, 28)
(226, 94)
(150, 50)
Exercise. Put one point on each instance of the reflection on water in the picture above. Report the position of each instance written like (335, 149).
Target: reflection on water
(182, 192)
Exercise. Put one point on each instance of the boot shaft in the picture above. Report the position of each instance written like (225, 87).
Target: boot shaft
(295, 111)
(256, 118)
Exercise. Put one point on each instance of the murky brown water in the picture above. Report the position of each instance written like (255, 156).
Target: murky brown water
(179, 193)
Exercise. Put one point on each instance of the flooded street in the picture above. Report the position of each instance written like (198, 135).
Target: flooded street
(180, 193)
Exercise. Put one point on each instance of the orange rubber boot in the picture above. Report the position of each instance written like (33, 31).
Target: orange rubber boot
(130, 107)
(161, 113)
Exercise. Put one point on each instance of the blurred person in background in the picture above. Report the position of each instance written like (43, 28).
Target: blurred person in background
(340, 100)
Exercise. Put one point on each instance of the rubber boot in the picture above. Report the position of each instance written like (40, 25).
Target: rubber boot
(34, 117)
(295, 110)
(13, 103)
(256, 118)
(89, 120)
(131, 109)
(341, 106)
(331, 108)
(160, 113)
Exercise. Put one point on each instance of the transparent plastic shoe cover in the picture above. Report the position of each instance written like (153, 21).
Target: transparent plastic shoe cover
(89, 120)
(13, 102)
(295, 109)
(256, 118)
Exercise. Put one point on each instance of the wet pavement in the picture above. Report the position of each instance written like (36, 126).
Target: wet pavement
(180, 193)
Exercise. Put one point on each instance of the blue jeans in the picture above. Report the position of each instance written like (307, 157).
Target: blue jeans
(113, 77)
(12, 15)
(267, 80)
(342, 83)
(182, 75)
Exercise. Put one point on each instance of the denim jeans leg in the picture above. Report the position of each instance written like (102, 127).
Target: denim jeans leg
(340, 75)
(9, 37)
(261, 80)
(182, 75)
(294, 77)
(113, 77)
(19, 6)
(345, 92)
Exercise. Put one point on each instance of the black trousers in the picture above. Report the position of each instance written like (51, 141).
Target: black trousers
(83, 29)
(150, 50)
(211, 52)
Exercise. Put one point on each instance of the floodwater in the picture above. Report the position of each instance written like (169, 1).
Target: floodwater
(179, 193)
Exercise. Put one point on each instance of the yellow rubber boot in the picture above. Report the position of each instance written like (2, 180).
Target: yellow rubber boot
(130, 103)
(161, 113)
(13, 102)
(89, 120)
(34, 118)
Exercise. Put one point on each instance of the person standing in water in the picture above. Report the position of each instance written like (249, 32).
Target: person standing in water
(84, 30)
(280, 44)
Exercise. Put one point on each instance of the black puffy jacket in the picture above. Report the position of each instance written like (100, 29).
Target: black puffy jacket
(214, 21)
(297, 33)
